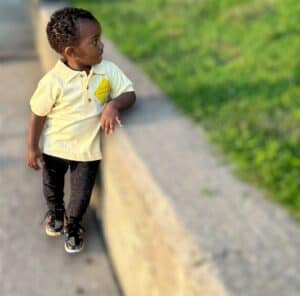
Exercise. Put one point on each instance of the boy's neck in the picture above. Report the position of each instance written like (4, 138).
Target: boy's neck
(76, 67)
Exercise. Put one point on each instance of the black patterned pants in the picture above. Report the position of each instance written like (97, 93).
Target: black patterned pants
(82, 177)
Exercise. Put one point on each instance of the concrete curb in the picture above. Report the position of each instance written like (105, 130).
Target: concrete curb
(144, 233)
(151, 251)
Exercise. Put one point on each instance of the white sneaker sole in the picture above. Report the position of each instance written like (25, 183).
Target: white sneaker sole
(73, 251)
(52, 234)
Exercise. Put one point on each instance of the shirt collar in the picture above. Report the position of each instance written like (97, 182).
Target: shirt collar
(67, 74)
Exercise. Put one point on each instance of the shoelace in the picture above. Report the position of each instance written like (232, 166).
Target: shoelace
(74, 230)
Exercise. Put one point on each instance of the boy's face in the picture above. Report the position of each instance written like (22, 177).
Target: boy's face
(89, 49)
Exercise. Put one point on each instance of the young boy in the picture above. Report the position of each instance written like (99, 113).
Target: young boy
(80, 95)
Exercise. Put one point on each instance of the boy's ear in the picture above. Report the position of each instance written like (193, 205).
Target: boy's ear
(69, 51)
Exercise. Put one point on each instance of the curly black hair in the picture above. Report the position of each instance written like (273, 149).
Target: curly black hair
(62, 28)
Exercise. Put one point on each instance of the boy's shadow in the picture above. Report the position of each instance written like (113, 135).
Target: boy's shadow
(94, 236)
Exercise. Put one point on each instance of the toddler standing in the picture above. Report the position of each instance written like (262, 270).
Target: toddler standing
(80, 95)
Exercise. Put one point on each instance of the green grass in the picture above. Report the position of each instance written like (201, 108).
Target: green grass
(233, 66)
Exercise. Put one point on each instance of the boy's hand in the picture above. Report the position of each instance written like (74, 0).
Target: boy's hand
(109, 117)
(33, 155)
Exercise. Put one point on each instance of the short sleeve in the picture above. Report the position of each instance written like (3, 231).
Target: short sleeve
(44, 96)
(119, 82)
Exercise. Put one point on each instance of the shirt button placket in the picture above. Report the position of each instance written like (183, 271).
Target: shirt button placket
(85, 88)
(87, 92)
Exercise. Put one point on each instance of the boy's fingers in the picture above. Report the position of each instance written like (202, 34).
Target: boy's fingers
(103, 125)
(34, 165)
(118, 120)
(34, 159)
(41, 162)
(107, 127)
(111, 127)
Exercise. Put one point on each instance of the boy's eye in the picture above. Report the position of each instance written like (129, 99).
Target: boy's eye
(95, 41)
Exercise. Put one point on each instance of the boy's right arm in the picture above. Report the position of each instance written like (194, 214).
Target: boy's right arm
(36, 125)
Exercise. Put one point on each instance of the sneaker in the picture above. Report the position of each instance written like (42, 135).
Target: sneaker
(74, 242)
(54, 222)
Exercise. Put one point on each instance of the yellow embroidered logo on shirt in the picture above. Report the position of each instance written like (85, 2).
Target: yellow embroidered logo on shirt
(102, 91)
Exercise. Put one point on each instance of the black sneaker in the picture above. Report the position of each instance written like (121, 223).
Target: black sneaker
(74, 242)
(54, 222)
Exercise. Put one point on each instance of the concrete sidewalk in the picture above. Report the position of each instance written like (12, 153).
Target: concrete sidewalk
(31, 263)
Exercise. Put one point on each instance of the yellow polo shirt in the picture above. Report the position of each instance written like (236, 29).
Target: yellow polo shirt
(73, 102)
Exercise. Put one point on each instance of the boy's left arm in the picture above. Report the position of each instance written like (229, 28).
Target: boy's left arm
(110, 115)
